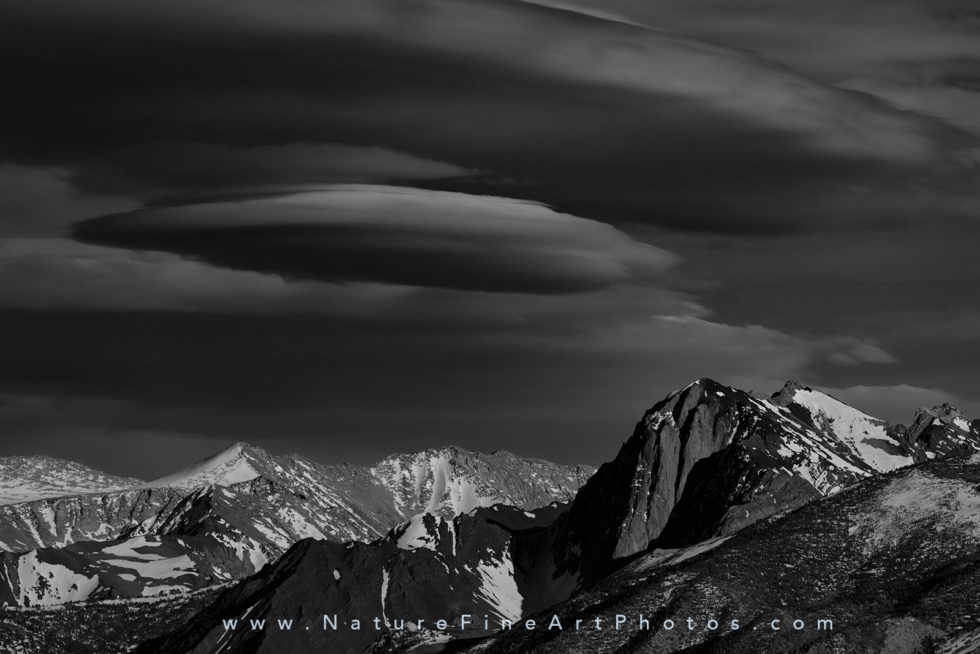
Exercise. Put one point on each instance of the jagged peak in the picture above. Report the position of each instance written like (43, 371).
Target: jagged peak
(243, 447)
(944, 414)
(790, 391)
(402, 458)
(443, 452)
(944, 410)
(706, 383)
(785, 395)
(707, 388)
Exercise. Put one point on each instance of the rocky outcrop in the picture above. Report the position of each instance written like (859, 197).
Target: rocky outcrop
(705, 461)
(943, 431)
(61, 521)
(447, 481)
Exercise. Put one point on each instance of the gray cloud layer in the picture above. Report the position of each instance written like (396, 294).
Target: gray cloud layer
(364, 225)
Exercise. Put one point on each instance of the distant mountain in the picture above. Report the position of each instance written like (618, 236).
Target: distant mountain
(893, 562)
(449, 481)
(229, 515)
(28, 478)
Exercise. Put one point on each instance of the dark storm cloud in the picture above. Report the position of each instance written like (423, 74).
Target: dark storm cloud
(604, 121)
(809, 182)
(915, 55)
(392, 235)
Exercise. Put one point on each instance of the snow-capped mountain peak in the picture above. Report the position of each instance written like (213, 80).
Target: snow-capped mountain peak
(238, 463)
(870, 438)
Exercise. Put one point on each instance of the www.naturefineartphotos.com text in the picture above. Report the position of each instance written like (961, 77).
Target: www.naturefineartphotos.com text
(378, 623)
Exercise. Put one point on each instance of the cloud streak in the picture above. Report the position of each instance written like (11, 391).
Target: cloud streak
(393, 235)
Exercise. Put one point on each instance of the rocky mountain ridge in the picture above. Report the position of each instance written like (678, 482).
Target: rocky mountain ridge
(228, 516)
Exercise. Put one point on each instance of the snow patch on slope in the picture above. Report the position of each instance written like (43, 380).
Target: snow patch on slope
(41, 584)
(441, 472)
(865, 435)
(384, 593)
(422, 532)
(149, 565)
(499, 587)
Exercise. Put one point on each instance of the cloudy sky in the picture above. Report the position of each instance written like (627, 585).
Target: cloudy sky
(352, 227)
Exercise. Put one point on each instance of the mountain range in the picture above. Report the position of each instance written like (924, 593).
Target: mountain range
(228, 516)
(722, 502)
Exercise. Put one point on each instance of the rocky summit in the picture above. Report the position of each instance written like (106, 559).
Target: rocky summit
(709, 459)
